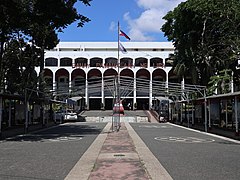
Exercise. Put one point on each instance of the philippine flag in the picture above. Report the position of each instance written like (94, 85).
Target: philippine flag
(121, 33)
(122, 48)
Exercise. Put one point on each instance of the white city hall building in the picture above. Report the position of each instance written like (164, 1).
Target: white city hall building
(88, 69)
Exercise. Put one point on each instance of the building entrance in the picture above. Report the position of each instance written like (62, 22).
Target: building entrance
(109, 104)
(95, 104)
(142, 104)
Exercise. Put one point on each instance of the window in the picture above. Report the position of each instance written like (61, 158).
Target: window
(65, 62)
(62, 80)
(51, 62)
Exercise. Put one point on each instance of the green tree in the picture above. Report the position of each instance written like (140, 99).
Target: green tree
(205, 34)
(36, 22)
(19, 61)
(47, 17)
(220, 82)
(12, 19)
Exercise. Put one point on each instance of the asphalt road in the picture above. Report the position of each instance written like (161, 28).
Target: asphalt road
(48, 154)
(191, 155)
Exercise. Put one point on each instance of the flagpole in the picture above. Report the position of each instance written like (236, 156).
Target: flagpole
(118, 48)
(118, 78)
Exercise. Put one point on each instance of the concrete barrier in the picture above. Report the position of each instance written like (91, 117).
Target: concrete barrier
(122, 119)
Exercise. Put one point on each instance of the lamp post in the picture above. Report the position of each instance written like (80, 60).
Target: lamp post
(26, 111)
(26, 102)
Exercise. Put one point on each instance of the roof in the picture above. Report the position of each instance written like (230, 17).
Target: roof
(100, 45)
(224, 96)
(76, 98)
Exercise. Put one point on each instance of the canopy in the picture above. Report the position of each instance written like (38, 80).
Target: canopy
(72, 100)
(76, 98)
(164, 98)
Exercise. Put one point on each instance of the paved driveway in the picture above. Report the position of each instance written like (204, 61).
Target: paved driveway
(49, 154)
(191, 155)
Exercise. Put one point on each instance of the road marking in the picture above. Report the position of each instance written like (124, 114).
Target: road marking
(35, 138)
(153, 166)
(155, 126)
(206, 133)
(184, 139)
(65, 139)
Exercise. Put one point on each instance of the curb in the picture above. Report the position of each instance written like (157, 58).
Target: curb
(152, 165)
(86, 163)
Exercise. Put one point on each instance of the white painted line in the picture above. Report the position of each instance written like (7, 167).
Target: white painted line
(84, 166)
(153, 166)
(184, 139)
(208, 134)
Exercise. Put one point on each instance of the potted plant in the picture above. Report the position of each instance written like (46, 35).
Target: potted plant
(85, 107)
(102, 107)
(135, 106)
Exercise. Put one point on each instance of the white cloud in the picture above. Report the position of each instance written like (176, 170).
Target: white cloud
(113, 26)
(164, 5)
(150, 20)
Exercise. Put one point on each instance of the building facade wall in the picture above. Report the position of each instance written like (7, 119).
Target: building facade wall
(73, 62)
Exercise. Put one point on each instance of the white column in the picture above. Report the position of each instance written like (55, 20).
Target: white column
(134, 91)
(70, 83)
(232, 85)
(169, 108)
(183, 84)
(54, 84)
(150, 93)
(86, 94)
(103, 91)
(216, 90)
(182, 98)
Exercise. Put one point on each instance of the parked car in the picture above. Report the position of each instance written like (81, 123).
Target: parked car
(59, 116)
(71, 116)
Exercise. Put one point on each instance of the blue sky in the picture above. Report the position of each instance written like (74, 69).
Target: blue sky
(139, 19)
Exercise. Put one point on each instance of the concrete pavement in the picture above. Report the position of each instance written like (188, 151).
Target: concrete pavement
(118, 155)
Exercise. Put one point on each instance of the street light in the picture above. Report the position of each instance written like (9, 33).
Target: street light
(26, 102)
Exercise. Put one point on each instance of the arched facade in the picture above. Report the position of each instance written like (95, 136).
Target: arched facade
(88, 67)
(62, 79)
(48, 78)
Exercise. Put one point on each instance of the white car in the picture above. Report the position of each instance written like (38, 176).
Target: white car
(71, 116)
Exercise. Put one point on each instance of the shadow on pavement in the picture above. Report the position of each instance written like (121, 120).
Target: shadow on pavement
(67, 132)
(227, 143)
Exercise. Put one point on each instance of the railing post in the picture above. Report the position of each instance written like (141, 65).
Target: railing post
(205, 110)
